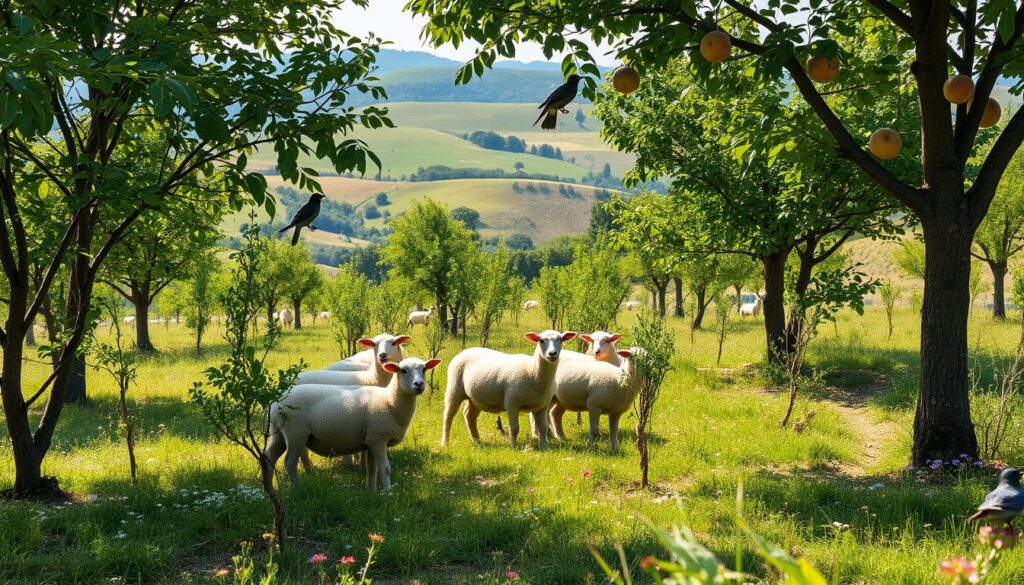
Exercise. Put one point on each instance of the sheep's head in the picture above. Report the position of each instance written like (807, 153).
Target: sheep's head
(549, 343)
(386, 347)
(411, 373)
(602, 343)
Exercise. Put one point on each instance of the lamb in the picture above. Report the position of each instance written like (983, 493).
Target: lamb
(530, 305)
(390, 348)
(285, 317)
(493, 381)
(600, 346)
(420, 317)
(752, 309)
(597, 388)
(387, 349)
(331, 422)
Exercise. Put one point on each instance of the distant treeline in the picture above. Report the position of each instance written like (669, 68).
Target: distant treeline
(494, 141)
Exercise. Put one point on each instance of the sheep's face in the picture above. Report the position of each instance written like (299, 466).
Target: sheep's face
(386, 347)
(411, 373)
(549, 343)
(602, 344)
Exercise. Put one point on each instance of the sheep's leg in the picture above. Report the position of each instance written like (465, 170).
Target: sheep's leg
(307, 464)
(276, 446)
(371, 472)
(451, 408)
(513, 424)
(291, 461)
(595, 427)
(382, 464)
(613, 429)
(533, 425)
(472, 415)
(556, 414)
(542, 423)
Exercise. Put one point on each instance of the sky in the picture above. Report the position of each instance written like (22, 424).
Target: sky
(385, 19)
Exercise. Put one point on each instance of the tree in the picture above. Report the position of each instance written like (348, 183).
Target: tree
(979, 40)
(652, 365)
(519, 166)
(700, 271)
(498, 292)
(909, 258)
(890, 293)
(201, 294)
(649, 229)
(519, 241)
(301, 276)
(347, 294)
(90, 78)
(555, 290)
(381, 199)
(429, 248)
(389, 306)
(1001, 234)
(468, 216)
(122, 364)
(598, 284)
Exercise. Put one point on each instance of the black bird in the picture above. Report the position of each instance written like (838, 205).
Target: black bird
(304, 216)
(557, 101)
(1004, 503)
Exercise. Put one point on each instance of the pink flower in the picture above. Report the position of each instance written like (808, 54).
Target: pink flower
(999, 536)
(531, 490)
(586, 473)
(959, 568)
(317, 559)
(512, 575)
(347, 560)
(376, 538)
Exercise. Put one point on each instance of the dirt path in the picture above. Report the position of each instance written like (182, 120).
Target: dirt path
(873, 434)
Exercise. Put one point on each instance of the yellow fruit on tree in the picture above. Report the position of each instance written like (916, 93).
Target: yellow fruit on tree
(990, 117)
(625, 79)
(715, 46)
(822, 69)
(958, 89)
(885, 143)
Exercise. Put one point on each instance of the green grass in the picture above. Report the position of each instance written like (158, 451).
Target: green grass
(463, 511)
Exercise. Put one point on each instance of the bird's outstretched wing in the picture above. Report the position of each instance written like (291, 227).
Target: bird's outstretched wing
(1004, 501)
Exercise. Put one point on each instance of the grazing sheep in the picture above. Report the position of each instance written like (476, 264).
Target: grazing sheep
(420, 317)
(325, 315)
(128, 320)
(530, 305)
(389, 345)
(631, 305)
(332, 422)
(493, 381)
(285, 317)
(596, 388)
(386, 348)
(752, 309)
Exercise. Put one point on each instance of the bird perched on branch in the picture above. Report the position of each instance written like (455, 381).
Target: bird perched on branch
(304, 217)
(1004, 503)
(557, 101)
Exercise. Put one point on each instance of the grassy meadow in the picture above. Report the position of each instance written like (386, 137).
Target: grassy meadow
(468, 514)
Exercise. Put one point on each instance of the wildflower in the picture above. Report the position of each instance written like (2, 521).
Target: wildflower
(959, 568)
(965, 457)
(347, 560)
(647, 562)
(586, 473)
(999, 537)
(979, 464)
(936, 464)
(955, 463)
(376, 538)
(221, 573)
(317, 559)
(268, 536)
(512, 575)
(531, 490)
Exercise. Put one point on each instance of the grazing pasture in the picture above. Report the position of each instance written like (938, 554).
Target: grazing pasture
(835, 492)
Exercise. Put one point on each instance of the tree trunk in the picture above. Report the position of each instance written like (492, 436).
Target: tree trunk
(679, 296)
(27, 469)
(453, 325)
(774, 306)
(76, 392)
(442, 313)
(998, 289)
(662, 290)
(30, 335)
(700, 307)
(942, 423)
(297, 309)
(739, 297)
(803, 280)
(140, 300)
(271, 310)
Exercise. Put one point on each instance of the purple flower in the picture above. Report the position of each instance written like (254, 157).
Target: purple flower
(965, 457)
(317, 559)
(979, 464)
(955, 463)
(936, 464)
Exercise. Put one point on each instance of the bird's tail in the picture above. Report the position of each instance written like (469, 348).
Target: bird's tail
(542, 114)
(295, 236)
(551, 120)
(284, 229)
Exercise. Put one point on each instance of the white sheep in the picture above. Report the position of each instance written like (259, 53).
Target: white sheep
(386, 349)
(420, 317)
(325, 315)
(493, 381)
(128, 320)
(598, 388)
(390, 346)
(631, 305)
(285, 317)
(331, 422)
(752, 309)
(530, 305)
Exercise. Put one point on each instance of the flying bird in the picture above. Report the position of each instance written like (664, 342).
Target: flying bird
(1004, 503)
(304, 216)
(557, 101)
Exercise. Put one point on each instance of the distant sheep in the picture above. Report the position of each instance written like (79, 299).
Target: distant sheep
(493, 381)
(752, 309)
(285, 317)
(331, 422)
(420, 317)
(530, 305)
(631, 305)
(325, 315)
(598, 388)
(128, 320)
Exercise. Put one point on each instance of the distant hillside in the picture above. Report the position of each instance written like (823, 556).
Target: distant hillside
(519, 84)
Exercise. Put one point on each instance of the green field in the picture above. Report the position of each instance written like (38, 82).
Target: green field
(465, 511)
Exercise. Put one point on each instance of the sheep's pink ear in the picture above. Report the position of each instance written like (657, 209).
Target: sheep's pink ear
(531, 336)
(391, 367)
(401, 339)
(431, 364)
(568, 335)
(615, 337)
(586, 338)
(625, 353)
(366, 342)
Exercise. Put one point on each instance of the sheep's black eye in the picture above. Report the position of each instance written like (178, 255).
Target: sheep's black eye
(401, 370)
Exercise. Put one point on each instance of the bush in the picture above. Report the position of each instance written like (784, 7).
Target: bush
(382, 199)
(371, 211)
